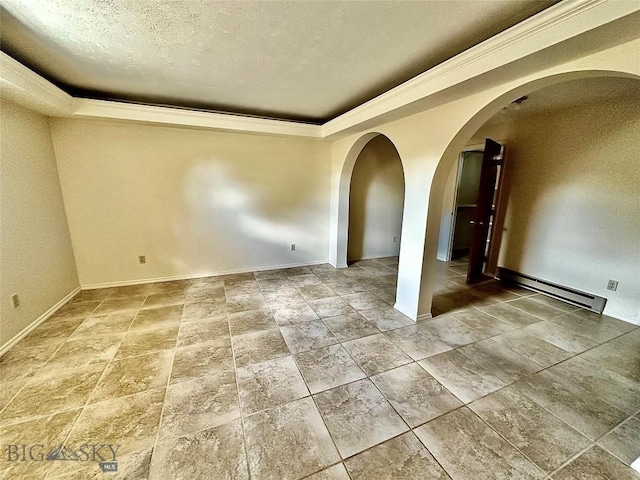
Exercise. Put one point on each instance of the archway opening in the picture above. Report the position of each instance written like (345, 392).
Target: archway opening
(376, 201)
(569, 207)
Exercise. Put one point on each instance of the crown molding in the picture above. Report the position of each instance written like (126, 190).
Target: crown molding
(190, 118)
(21, 85)
(554, 25)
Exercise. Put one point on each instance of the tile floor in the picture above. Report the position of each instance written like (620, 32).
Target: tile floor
(310, 373)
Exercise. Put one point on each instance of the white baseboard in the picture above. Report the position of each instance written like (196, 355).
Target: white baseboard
(29, 328)
(193, 276)
(424, 316)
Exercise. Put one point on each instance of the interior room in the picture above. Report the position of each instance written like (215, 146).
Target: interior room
(264, 240)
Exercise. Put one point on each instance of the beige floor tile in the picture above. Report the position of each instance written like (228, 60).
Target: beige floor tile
(198, 360)
(376, 353)
(251, 321)
(483, 322)
(205, 330)
(289, 441)
(117, 305)
(328, 367)
(364, 301)
(350, 326)
(161, 317)
(336, 472)
(511, 315)
(387, 318)
(416, 395)
(105, 325)
(270, 383)
(331, 307)
(536, 308)
(347, 411)
(259, 347)
(561, 337)
(403, 457)
(468, 448)
(417, 342)
(195, 405)
(142, 342)
(201, 309)
(307, 336)
(453, 332)
(596, 464)
(157, 300)
(535, 349)
(624, 441)
(293, 313)
(209, 454)
(316, 292)
(84, 351)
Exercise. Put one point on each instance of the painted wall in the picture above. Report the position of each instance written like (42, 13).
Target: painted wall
(573, 214)
(375, 202)
(194, 202)
(35, 246)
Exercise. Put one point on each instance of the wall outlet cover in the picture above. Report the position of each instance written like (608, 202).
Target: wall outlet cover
(612, 285)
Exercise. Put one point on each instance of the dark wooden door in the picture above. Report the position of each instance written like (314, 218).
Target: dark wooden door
(484, 210)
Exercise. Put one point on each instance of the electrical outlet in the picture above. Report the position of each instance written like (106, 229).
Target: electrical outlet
(293, 247)
(612, 285)
(395, 239)
(15, 300)
(142, 259)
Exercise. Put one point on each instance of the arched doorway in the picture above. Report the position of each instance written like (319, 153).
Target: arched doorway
(376, 200)
(564, 224)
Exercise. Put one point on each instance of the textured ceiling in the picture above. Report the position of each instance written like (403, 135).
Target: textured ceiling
(307, 61)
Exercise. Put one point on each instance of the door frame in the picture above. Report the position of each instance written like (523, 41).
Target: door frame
(498, 218)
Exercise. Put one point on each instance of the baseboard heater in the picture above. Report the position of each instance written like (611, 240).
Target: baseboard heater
(560, 292)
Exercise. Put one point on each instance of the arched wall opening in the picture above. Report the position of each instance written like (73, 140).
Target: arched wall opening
(376, 200)
(558, 190)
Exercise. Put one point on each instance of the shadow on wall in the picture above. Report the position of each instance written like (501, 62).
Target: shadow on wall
(376, 201)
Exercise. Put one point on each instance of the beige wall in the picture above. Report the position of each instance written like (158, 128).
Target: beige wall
(194, 202)
(573, 214)
(35, 247)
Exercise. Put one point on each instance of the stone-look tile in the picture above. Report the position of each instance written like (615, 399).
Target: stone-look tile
(74, 310)
(293, 313)
(580, 409)
(624, 441)
(131, 422)
(347, 411)
(316, 292)
(605, 320)
(415, 394)
(453, 332)
(45, 395)
(541, 436)
(596, 464)
(203, 331)
(534, 348)
(274, 284)
(328, 367)
(242, 303)
(364, 301)
(467, 448)
(600, 332)
(22, 362)
(307, 336)
(84, 351)
(157, 300)
(258, 347)
(133, 375)
(345, 286)
(552, 302)
(387, 295)
(304, 279)
(162, 317)
(403, 457)
(238, 278)
(331, 307)
(464, 378)
(283, 296)
(336, 472)
(561, 337)
(387, 318)
(142, 342)
(288, 442)
(268, 384)
(504, 363)
(116, 305)
(618, 355)
(197, 310)
(536, 308)
(246, 287)
(9, 389)
(131, 291)
(376, 353)
(106, 325)
(52, 332)
(511, 315)
(195, 361)
(214, 453)
(199, 404)
(251, 321)
(483, 322)
(350, 326)
(417, 342)
(614, 389)
(49, 431)
(93, 295)
(451, 303)
(171, 287)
